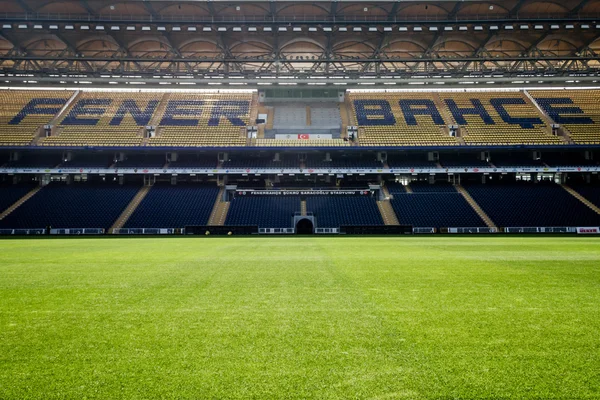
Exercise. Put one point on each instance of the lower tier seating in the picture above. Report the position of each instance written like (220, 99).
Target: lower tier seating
(532, 204)
(9, 194)
(334, 211)
(442, 209)
(263, 211)
(422, 186)
(169, 206)
(81, 205)
(590, 192)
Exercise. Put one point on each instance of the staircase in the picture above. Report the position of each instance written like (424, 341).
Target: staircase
(408, 189)
(270, 116)
(219, 211)
(303, 208)
(488, 221)
(58, 117)
(133, 204)
(308, 116)
(160, 110)
(387, 212)
(18, 203)
(581, 198)
(545, 117)
(40, 135)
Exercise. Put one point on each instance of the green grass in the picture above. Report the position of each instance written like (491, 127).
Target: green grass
(309, 318)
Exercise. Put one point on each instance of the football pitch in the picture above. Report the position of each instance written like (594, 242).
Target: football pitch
(300, 318)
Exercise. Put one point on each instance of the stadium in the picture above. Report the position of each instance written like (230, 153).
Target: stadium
(309, 199)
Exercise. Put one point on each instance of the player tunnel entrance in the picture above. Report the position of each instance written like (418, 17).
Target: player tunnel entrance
(304, 226)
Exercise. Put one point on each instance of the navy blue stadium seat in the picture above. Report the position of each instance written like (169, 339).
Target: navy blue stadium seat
(263, 211)
(79, 205)
(523, 204)
(336, 211)
(433, 206)
(590, 192)
(9, 194)
(174, 206)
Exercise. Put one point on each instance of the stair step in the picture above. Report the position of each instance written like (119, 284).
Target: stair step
(387, 213)
(482, 214)
(219, 211)
(579, 197)
(19, 202)
(131, 207)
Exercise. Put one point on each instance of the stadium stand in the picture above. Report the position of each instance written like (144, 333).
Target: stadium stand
(263, 211)
(180, 205)
(336, 211)
(432, 206)
(205, 119)
(78, 205)
(105, 119)
(290, 116)
(10, 193)
(325, 114)
(24, 112)
(522, 204)
(498, 118)
(300, 143)
(393, 119)
(589, 191)
(576, 110)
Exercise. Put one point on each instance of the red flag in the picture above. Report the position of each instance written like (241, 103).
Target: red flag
(304, 136)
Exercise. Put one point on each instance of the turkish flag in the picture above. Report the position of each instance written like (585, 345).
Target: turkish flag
(304, 136)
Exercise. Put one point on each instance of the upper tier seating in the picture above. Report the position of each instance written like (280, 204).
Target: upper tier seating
(289, 116)
(168, 206)
(336, 211)
(486, 121)
(263, 211)
(433, 206)
(325, 114)
(576, 110)
(204, 119)
(523, 204)
(79, 205)
(9, 194)
(105, 119)
(380, 130)
(23, 112)
(300, 143)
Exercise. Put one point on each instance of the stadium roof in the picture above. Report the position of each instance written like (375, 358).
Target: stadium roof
(345, 42)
